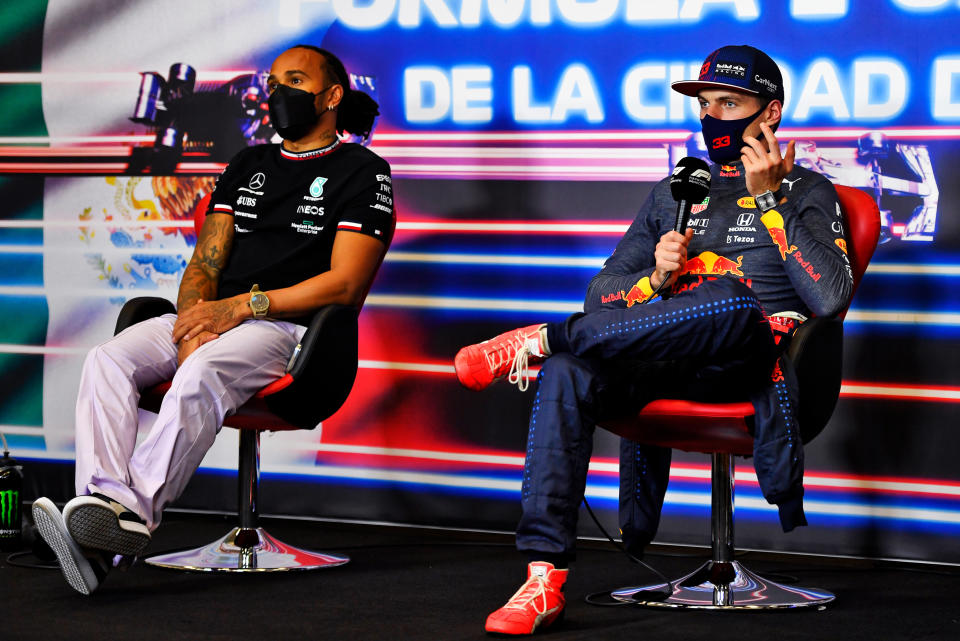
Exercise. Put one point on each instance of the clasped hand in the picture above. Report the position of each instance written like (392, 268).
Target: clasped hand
(214, 317)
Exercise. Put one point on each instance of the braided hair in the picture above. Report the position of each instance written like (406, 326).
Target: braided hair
(357, 110)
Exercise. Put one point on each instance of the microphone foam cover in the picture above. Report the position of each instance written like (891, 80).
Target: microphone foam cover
(690, 180)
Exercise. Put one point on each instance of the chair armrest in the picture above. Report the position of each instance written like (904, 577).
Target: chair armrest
(324, 370)
(816, 353)
(140, 309)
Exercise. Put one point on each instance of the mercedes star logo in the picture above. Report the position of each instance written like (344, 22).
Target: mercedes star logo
(257, 181)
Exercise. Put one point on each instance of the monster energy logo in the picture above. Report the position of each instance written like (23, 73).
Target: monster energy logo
(9, 510)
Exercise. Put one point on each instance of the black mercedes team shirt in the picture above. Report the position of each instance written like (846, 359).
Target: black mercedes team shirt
(288, 207)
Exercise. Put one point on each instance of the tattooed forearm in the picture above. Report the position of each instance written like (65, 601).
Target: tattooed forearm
(194, 286)
(213, 246)
(202, 275)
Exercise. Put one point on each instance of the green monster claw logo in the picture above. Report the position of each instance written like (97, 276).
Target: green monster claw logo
(9, 510)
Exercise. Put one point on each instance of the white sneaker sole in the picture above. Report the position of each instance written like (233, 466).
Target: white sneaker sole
(76, 568)
(94, 523)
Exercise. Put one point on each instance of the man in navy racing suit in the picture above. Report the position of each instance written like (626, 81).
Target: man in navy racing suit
(764, 251)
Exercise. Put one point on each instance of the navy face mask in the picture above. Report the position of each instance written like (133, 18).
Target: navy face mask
(724, 138)
(292, 112)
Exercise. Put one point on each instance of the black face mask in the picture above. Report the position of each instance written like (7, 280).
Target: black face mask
(724, 138)
(292, 112)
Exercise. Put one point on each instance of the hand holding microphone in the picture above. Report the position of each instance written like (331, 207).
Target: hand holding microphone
(689, 184)
(670, 255)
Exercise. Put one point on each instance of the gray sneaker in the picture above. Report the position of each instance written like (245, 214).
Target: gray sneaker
(96, 521)
(83, 569)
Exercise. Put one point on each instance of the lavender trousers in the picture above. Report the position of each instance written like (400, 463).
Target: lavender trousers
(212, 383)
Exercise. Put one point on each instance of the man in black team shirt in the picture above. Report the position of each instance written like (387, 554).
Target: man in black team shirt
(764, 251)
(290, 228)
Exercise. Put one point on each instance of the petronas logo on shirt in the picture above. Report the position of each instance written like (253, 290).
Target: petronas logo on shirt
(316, 187)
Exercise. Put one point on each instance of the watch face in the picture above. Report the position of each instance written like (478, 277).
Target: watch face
(766, 201)
(259, 302)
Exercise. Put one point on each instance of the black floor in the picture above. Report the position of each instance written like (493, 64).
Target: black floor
(420, 584)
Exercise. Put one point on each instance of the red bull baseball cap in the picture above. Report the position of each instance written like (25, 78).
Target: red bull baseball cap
(740, 67)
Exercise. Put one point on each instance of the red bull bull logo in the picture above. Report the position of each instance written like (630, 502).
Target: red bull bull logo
(747, 202)
(639, 292)
(773, 221)
(712, 264)
(729, 171)
(842, 244)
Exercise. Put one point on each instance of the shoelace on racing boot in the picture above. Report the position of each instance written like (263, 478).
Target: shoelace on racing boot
(535, 585)
(511, 353)
(520, 369)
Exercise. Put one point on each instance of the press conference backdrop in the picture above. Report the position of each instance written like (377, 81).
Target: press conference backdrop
(523, 136)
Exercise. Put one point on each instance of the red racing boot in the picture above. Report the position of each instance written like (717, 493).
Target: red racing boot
(508, 354)
(538, 602)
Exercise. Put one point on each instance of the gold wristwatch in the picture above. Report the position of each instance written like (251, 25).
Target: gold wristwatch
(259, 303)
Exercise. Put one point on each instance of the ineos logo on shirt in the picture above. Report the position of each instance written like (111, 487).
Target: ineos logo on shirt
(256, 182)
(744, 220)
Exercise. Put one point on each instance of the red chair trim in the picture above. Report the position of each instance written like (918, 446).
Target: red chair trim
(274, 387)
(674, 407)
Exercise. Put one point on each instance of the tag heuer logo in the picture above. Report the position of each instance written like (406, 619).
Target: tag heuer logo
(316, 187)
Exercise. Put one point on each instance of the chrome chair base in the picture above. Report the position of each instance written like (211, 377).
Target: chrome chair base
(246, 550)
(724, 586)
